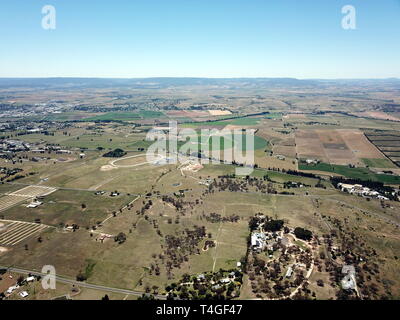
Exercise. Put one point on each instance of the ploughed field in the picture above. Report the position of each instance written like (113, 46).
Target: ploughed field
(388, 142)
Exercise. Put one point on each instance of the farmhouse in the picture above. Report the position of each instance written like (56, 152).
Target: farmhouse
(34, 204)
(312, 161)
(64, 152)
(289, 272)
(11, 289)
(349, 280)
(258, 241)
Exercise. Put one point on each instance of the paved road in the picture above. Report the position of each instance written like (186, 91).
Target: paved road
(82, 284)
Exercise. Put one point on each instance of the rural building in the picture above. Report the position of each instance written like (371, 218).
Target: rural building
(289, 272)
(34, 204)
(258, 241)
(349, 281)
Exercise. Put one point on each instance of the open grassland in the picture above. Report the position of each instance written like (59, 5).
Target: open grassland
(112, 264)
(36, 292)
(70, 207)
(91, 139)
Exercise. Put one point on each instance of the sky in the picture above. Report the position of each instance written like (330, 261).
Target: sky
(200, 38)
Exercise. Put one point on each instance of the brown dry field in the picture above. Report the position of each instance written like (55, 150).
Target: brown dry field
(219, 112)
(360, 145)
(188, 114)
(378, 115)
(335, 147)
(288, 151)
(340, 146)
(308, 145)
(130, 161)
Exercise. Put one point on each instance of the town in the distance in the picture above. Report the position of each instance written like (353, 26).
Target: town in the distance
(316, 218)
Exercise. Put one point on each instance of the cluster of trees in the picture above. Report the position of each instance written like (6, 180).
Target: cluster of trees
(208, 287)
(273, 225)
(303, 234)
(267, 278)
(302, 174)
(209, 244)
(146, 206)
(117, 153)
(255, 221)
(177, 203)
(120, 238)
(216, 218)
(230, 183)
(9, 172)
(269, 224)
(179, 248)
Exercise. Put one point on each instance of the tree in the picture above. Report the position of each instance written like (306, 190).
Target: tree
(81, 277)
(273, 225)
(147, 297)
(303, 234)
(117, 153)
(120, 238)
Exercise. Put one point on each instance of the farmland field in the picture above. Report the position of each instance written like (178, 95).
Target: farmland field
(358, 173)
(125, 116)
(127, 223)
(387, 142)
(341, 147)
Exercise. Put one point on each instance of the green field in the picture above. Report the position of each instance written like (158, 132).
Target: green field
(378, 163)
(245, 122)
(273, 116)
(357, 173)
(126, 116)
(228, 141)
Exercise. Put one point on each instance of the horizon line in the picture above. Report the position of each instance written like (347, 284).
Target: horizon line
(196, 77)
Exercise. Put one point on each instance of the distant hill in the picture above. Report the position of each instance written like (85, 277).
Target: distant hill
(153, 83)
(159, 83)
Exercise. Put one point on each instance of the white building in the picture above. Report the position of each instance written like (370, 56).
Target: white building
(258, 241)
(34, 204)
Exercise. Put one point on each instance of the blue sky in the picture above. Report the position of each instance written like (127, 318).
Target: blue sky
(200, 38)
